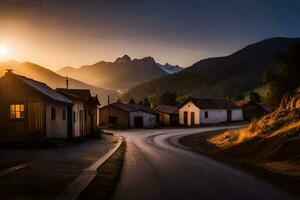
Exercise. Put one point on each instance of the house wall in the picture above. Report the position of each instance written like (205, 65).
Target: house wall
(32, 127)
(56, 128)
(164, 118)
(78, 124)
(189, 107)
(88, 119)
(237, 115)
(122, 116)
(149, 120)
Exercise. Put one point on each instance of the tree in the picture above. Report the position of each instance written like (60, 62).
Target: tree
(181, 99)
(286, 78)
(254, 96)
(238, 97)
(146, 102)
(168, 98)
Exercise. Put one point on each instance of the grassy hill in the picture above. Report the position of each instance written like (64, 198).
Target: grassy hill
(219, 77)
(54, 80)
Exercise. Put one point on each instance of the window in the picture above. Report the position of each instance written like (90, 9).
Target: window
(53, 113)
(17, 111)
(63, 114)
(206, 114)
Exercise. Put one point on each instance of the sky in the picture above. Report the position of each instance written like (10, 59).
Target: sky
(57, 33)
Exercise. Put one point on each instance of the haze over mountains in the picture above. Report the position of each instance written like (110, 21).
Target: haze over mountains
(218, 77)
(122, 74)
(54, 80)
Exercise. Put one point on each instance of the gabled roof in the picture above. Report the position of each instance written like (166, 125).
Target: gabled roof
(244, 102)
(211, 103)
(82, 94)
(132, 107)
(167, 109)
(95, 100)
(41, 88)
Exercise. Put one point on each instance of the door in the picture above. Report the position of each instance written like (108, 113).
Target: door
(138, 122)
(185, 118)
(81, 122)
(36, 120)
(69, 121)
(229, 114)
(192, 118)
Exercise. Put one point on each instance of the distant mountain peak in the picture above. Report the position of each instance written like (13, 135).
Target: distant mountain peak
(123, 59)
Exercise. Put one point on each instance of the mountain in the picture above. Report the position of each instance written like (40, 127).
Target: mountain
(54, 80)
(122, 74)
(218, 77)
(170, 69)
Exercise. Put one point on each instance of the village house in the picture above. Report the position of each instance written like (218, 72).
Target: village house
(131, 115)
(252, 109)
(84, 110)
(168, 115)
(32, 111)
(194, 112)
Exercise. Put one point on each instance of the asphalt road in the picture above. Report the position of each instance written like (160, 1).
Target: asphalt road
(158, 167)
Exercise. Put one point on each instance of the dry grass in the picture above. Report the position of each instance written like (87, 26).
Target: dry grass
(281, 123)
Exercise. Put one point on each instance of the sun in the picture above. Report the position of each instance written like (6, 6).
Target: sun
(3, 51)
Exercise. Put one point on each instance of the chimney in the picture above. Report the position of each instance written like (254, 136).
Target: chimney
(108, 101)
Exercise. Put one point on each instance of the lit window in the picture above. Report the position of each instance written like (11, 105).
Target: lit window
(17, 111)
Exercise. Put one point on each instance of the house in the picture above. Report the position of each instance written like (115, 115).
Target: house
(252, 109)
(194, 112)
(131, 115)
(84, 110)
(32, 111)
(168, 115)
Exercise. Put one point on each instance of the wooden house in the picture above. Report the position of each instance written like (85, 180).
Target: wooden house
(253, 109)
(194, 112)
(84, 110)
(129, 115)
(168, 115)
(32, 111)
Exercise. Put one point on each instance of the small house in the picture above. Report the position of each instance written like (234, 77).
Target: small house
(168, 115)
(84, 110)
(32, 111)
(194, 112)
(131, 115)
(252, 109)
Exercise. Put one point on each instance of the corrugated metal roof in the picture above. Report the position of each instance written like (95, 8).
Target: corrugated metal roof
(132, 107)
(43, 88)
(83, 94)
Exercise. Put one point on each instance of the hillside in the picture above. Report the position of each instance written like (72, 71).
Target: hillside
(219, 77)
(122, 74)
(54, 80)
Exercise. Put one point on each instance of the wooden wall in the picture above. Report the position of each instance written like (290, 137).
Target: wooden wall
(122, 116)
(32, 127)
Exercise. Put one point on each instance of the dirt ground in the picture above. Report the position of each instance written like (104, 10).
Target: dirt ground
(42, 173)
(242, 157)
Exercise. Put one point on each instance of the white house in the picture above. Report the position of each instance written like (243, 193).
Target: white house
(194, 112)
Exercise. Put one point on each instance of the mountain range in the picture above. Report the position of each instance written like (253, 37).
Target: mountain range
(121, 74)
(54, 80)
(218, 77)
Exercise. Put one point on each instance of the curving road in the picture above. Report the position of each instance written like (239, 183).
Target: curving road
(157, 167)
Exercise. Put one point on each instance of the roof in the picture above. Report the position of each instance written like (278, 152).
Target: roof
(95, 100)
(82, 94)
(244, 102)
(167, 109)
(42, 88)
(132, 107)
(211, 103)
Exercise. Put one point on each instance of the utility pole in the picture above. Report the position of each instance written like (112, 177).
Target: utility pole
(67, 82)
